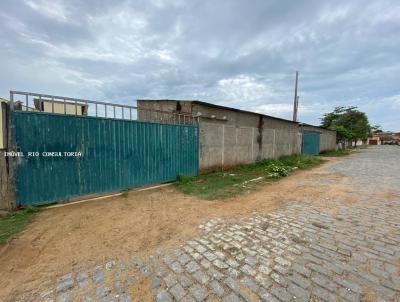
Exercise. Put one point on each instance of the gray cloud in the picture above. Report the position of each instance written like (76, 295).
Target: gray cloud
(238, 53)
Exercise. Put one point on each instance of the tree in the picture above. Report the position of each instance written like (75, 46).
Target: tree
(350, 123)
(342, 133)
(376, 129)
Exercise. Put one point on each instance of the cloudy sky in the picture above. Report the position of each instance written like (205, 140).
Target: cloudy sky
(237, 53)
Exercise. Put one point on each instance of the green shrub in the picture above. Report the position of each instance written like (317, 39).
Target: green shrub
(243, 178)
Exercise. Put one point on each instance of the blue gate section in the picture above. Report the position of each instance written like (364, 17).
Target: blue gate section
(311, 141)
(69, 156)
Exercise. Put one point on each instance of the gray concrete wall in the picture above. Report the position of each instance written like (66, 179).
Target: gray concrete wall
(5, 203)
(162, 105)
(7, 188)
(164, 111)
(234, 137)
(328, 141)
(225, 146)
(280, 138)
(327, 137)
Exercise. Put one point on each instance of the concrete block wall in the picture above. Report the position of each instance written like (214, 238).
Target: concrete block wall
(226, 146)
(7, 187)
(223, 146)
(161, 105)
(279, 138)
(327, 141)
(3, 182)
(235, 137)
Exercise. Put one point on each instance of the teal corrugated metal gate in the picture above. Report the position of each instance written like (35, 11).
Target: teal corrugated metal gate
(115, 155)
(311, 142)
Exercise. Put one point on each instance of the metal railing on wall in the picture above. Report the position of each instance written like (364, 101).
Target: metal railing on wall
(28, 101)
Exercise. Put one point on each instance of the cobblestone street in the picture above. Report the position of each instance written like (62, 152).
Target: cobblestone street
(301, 252)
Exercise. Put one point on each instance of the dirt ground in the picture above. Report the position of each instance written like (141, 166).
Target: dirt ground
(61, 239)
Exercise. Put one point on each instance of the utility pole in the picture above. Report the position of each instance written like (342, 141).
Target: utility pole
(296, 99)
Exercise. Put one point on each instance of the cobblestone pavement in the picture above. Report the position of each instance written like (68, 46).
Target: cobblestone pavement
(298, 253)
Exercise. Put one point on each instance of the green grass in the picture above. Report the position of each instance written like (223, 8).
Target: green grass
(336, 153)
(14, 222)
(125, 193)
(244, 178)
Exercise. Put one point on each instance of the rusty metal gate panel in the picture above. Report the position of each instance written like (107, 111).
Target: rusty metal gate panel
(110, 155)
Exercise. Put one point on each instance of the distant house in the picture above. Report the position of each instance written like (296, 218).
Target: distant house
(53, 106)
(389, 138)
(47, 105)
(385, 138)
(18, 105)
(41, 105)
(374, 140)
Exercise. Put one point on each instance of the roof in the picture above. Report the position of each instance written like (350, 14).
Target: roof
(309, 125)
(224, 107)
(237, 110)
(36, 100)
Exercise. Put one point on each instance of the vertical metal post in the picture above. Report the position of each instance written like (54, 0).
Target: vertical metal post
(76, 108)
(123, 111)
(52, 104)
(302, 138)
(273, 146)
(96, 109)
(252, 143)
(114, 110)
(11, 100)
(295, 101)
(11, 188)
(65, 106)
(223, 147)
(26, 102)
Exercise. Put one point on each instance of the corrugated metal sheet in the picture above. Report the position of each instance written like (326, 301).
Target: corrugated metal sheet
(311, 141)
(116, 155)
